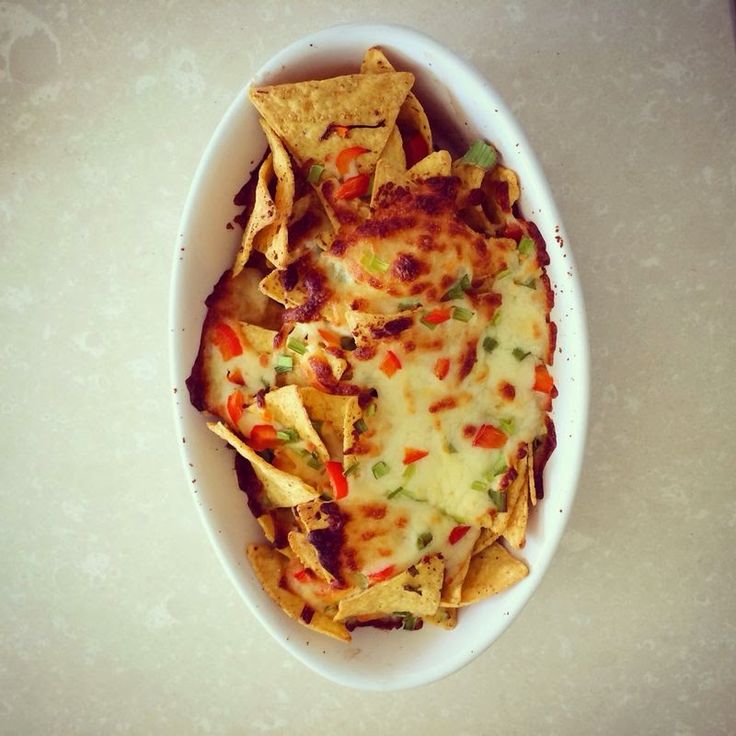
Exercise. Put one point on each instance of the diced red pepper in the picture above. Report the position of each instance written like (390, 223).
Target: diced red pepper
(390, 364)
(236, 377)
(337, 478)
(438, 316)
(411, 455)
(355, 186)
(458, 533)
(303, 575)
(542, 379)
(347, 156)
(226, 340)
(513, 230)
(489, 437)
(342, 130)
(235, 406)
(330, 337)
(415, 148)
(263, 437)
(442, 368)
(384, 574)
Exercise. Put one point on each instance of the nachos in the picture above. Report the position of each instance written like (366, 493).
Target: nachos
(378, 358)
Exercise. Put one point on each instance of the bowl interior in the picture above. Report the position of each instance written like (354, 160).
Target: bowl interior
(466, 107)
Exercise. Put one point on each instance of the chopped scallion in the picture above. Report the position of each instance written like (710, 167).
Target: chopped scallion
(403, 306)
(508, 425)
(360, 426)
(371, 262)
(526, 246)
(409, 471)
(371, 409)
(520, 354)
(352, 468)
(380, 469)
(296, 345)
(451, 448)
(284, 363)
(530, 283)
(395, 492)
(498, 499)
(457, 290)
(461, 314)
(503, 274)
(479, 485)
(424, 539)
(314, 461)
(480, 154)
(496, 317)
(490, 344)
(288, 435)
(315, 171)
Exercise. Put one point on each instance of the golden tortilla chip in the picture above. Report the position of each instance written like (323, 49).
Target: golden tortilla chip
(500, 521)
(273, 239)
(282, 489)
(417, 590)
(445, 618)
(272, 287)
(490, 572)
(530, 475)
(411, 115)
(262, 215)
(307, 555)
(438, 163)
(268, 566)
(457, 560)
(491, 206)
(286, 407)
(452, 586)
(485, 539)
(515, 531)
(340, 411)
(317, 119)
(259, 338)
(391, 166)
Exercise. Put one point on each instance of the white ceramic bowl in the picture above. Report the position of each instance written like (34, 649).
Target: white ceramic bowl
(374, 660)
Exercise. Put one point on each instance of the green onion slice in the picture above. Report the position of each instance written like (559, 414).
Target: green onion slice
(395, 492)
(480, 154)
(380, 469)
(457, 290)
(461, 314)
(490, 344)
(360, 426)
(520, 354)
(288, 435)
(479, 485)
(315, 171)
(352, 468)
(371, 409)
(296, 345)
(526, 246)
(424, 539)
(503, 274)
(498, 499)
(409, 471)
(403, 306)
(496, 317)
(371, 262)
(314, 461)
(284, 363)
(508, 426)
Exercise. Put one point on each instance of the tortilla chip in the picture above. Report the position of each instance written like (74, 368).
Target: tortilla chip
(411, 115)
(340, 411)
(530, 475)
(268, 566)
(340, 211)
(417, 590)
(485, 539)
(286, 407)
(305, 114)
(445, 618)
(259, 338)
(490, 181)
(386, 172)
(393, 151)
(367, 327)
(490, 572)
(500, 521)
(307, 555)
(457, 560)
(438, 163)
(452, 586)
(262, 214)
(515, 531)
(282, 489)
(273, 239)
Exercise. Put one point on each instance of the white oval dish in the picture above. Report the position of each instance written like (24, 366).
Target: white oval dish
(374, 660)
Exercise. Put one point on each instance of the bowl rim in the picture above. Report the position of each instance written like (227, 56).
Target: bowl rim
(448, 60)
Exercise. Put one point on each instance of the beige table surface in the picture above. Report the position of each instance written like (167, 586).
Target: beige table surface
(115, 615)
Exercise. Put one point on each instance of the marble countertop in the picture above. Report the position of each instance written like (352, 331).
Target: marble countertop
(116, 616)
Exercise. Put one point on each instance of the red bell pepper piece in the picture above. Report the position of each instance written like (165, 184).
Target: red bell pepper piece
(235, 406)
(442, 368)
(458, 533)
(411, 455)
(226, 340)
(542, 380)
(303, 575)
(347, 156)
(236, 377)
(337, 478)
(489, 437)
(438, 316)
(415, 148)
(384, 574)
(355, 186)
(330, 337)
(390, 364)
(263, 437)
